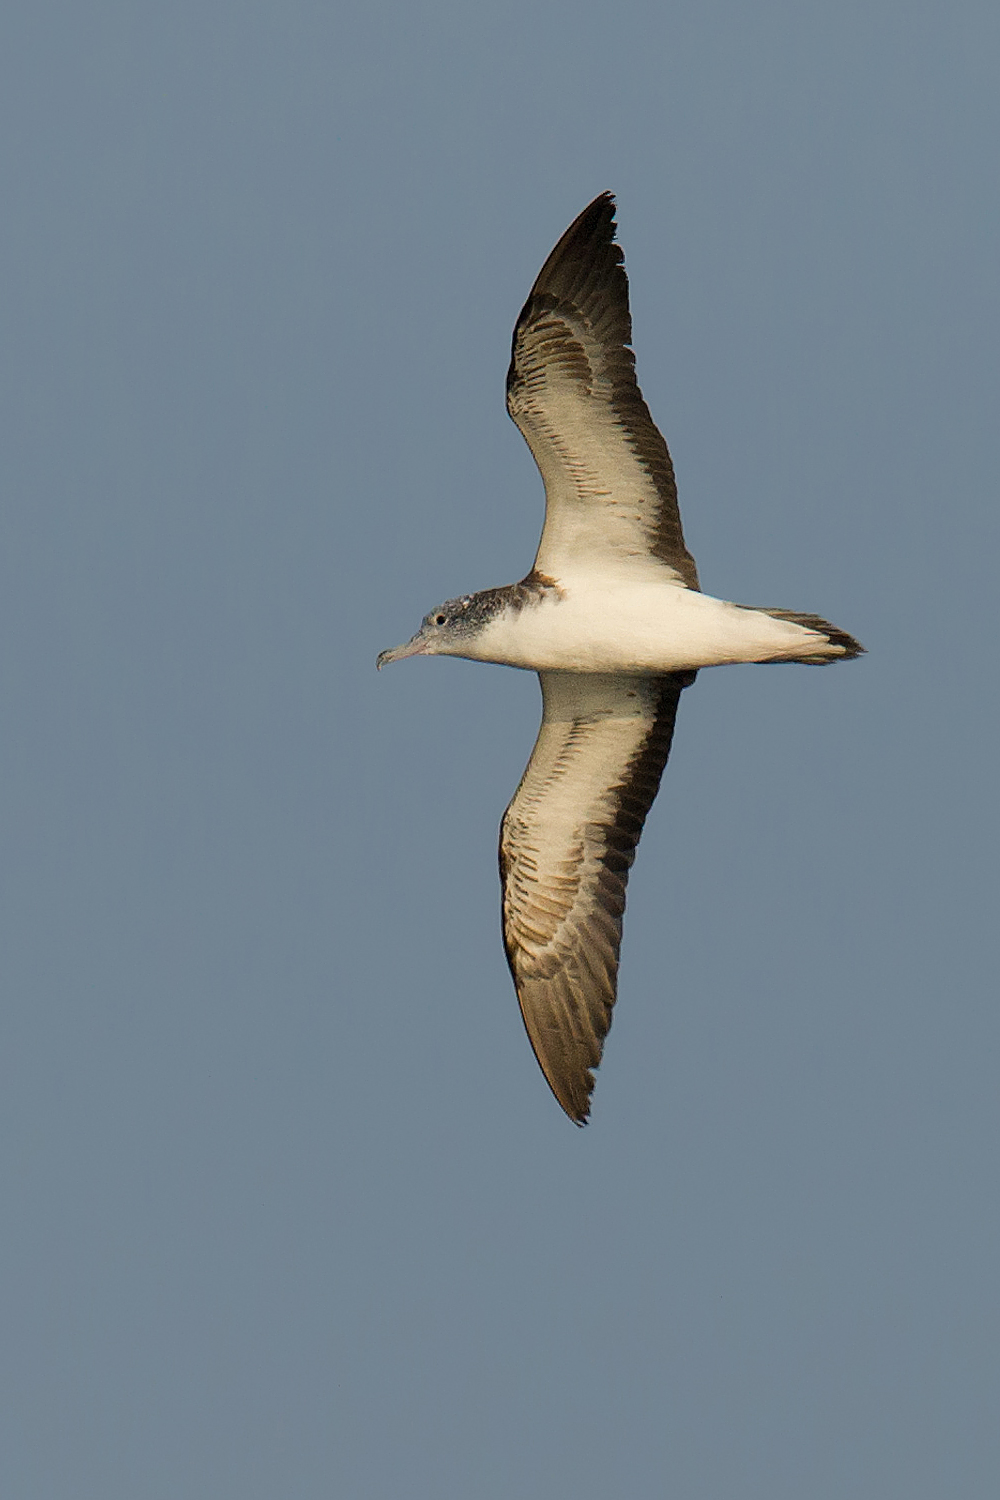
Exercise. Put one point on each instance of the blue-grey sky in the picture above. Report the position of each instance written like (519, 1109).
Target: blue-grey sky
(288, 1208)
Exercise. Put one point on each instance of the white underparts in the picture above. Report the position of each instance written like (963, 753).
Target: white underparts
(593, 624)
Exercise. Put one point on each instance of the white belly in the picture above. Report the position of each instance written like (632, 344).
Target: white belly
(646, 627)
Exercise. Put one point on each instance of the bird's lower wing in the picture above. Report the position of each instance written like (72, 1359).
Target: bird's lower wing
(567, 843)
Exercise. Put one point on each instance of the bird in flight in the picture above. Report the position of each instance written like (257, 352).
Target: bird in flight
(612, 619)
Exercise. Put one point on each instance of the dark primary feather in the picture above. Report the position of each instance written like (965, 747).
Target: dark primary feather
(567, 843)
(572, 378)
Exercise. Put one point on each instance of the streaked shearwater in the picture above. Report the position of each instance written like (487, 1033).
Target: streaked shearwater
(612, 619)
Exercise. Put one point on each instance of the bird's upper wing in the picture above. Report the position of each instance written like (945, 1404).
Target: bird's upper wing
(567, 843)
(571, 389)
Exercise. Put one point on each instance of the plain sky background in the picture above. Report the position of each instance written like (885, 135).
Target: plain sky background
(288, 1210)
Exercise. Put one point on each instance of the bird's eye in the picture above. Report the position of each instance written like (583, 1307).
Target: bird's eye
(439, 619)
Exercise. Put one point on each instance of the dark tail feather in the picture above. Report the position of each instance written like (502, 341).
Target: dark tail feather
(845, 646)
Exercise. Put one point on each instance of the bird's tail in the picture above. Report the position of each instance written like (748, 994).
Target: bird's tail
(833, 645)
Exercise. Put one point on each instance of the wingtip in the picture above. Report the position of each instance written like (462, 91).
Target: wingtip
(603, 207)
(574, 1101)
(574, 1098)
(577, 1098)
(571, 1087)
(578, 1114)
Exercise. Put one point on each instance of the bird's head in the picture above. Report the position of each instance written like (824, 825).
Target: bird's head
(442, 632)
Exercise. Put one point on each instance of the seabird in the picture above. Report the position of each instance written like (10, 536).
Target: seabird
(612, 619)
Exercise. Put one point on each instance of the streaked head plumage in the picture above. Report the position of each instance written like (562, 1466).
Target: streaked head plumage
(439, 629)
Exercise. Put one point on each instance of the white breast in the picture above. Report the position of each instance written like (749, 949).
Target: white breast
(595, 624)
